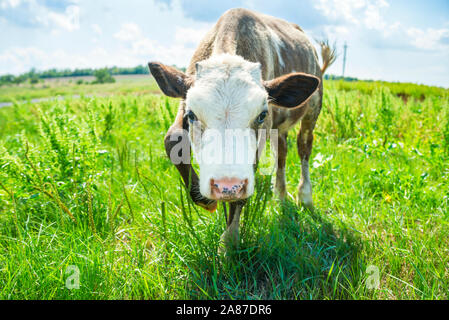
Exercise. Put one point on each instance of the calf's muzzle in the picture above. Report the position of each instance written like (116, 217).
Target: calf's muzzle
(228, 189)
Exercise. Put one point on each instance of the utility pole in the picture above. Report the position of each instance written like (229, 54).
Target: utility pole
(344, 59)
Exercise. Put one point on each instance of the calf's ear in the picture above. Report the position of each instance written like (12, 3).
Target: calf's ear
(172, 82)
(291, 90)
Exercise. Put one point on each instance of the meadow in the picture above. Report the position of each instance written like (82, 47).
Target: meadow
(68, 86)
(87, 193)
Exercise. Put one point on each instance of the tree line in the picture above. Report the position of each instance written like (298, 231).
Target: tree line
(34, 76)
(102, 75)
(334, 77)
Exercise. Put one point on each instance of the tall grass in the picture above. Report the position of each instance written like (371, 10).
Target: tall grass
(86, 182)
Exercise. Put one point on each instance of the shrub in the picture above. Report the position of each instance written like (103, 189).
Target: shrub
(103, 76)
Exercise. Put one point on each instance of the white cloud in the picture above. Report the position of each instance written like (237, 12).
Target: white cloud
(190, 36)
(134, 49)
(21, 59)
(341, 9)
(358, 12)
(129, 32)
(429, 39)
(70, 20)
(32, 13)
(373, 18)
(4, 4)
(367, 15)
(137, 46)
(18, 60)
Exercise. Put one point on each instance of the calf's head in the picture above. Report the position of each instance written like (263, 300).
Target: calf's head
(226, 103)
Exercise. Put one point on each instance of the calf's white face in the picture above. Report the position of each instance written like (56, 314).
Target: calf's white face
(225, 106)
(226, 103)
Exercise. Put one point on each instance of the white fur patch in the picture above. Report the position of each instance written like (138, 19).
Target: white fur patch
(305, 187)
(227, 95)
(277, 45)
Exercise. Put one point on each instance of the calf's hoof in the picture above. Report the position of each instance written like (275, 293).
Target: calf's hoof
(229, 242)
(280, 193)
(305, 199)
(209, 205)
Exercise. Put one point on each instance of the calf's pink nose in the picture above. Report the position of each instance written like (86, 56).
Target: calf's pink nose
(228, 188)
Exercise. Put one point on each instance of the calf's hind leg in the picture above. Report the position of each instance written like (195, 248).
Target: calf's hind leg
(304, 144)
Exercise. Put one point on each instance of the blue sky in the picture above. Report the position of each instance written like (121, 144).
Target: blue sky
(394, 40)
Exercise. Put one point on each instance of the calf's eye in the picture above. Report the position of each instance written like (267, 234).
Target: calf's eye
(191, 116)
(261, 117)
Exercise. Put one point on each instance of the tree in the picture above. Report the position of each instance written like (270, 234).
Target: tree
(103, 76)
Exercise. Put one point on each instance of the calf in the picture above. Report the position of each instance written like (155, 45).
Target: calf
(251, 71)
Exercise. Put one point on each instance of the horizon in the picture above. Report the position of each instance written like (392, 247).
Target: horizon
(326, 76)
(394, 41)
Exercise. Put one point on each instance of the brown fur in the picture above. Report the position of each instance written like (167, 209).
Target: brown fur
(173, 82)
(281, 48)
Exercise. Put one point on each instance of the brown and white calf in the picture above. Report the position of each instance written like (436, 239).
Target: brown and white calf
(251, 71)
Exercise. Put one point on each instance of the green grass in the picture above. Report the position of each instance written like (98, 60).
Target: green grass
(379, 168)
(68, 87)
(403, 90)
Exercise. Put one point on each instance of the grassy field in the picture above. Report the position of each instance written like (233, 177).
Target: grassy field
(125, 84)
(86, 189)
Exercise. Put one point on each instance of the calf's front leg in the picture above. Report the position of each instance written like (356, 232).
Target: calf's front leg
(280, 185)
(176, 135)
(230, 238)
